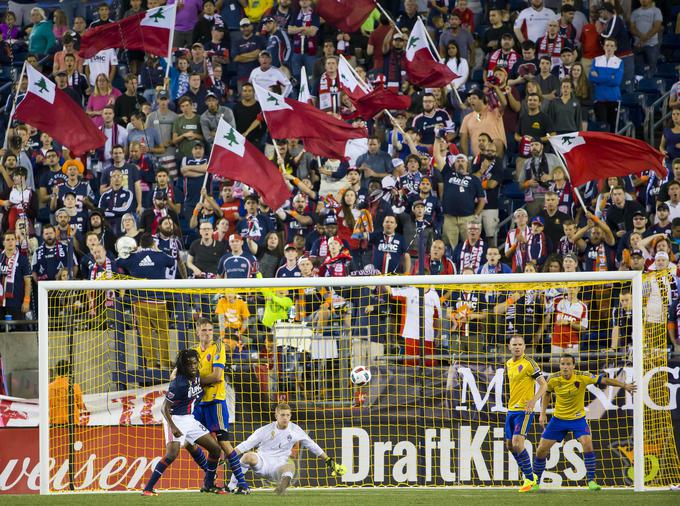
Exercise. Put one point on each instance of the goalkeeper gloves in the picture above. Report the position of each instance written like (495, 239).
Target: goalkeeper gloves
(335, 469)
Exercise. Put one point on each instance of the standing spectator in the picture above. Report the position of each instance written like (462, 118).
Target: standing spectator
(211, 117)
(488, 168)
(268, 76)
(461, 36)
(196, 93)
(254, 226)
(646, 23)
(617, 31)
(492, 38)
(186, 130)
(408, 17)
(328, 89)
(237, 263)
(68, 48)
(670, 141)
(15, 279)
(458, 65)
(549, 83)
(129, 173)
(462, 200)
(376, 42)
(278, 43)
(205, 253)
(432, 118)
(304, 30)
(75, 81)
(117, 200)
(598, 250)
(188, 12)
(607, 74)
(621, 211)
(553, 219)
(374, 163)
(569, 317)
(516, 241)
(246, 113)
(390, 254)
(394, 49)
(41, 39)
(245, 51)
(104, 62)
(194, 168)
(163, 119)
(591, 46)
(103, 95)
(565, 110)
(128, 102)
(505, 57)
(52, 256)
(470, 253)
(532, 22)
(551, 43)
(482, 119)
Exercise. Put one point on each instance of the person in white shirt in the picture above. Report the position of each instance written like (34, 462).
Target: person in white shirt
(532, 22)
(267, 75)
(274, 443)
(104, 62)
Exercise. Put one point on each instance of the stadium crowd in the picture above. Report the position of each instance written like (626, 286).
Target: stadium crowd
(526, 70)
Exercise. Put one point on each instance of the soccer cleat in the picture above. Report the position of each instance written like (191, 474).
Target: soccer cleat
(283, 484)
(593, 486)
(536, 488)
(528, 484)
(149, 493)
(675, 488)
(242, 490)
(214, 490)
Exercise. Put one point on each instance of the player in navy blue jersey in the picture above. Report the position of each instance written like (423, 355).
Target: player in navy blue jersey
(180, 426)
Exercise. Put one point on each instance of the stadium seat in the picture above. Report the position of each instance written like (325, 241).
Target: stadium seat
(651, 85)
(478, 76)
(667, 70)
(598, 126)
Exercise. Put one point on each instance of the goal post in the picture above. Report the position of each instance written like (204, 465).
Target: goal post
(433, 414)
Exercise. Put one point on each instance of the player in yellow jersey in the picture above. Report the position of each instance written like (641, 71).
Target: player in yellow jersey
(212, 410)
(569, 387)
(522, 373)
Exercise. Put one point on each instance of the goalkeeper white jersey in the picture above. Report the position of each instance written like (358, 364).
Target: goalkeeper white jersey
(278, 443)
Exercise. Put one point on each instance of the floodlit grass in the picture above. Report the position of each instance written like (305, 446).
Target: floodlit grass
(360, 497)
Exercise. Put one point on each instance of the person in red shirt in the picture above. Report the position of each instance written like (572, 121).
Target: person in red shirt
(229, 205)
(467, 18)
(570, 318)
(591, 46)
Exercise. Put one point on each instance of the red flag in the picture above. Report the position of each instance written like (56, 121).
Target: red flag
(345, 15)
(598, 155)
(288, 118)
(235, 158)
(379, 99)
(422, 68)
(148, 31)
(50, 110)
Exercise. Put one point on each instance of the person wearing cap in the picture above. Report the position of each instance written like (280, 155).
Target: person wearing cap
(211, 116)
(245, 50)
(268, 76)
(563, 69)
(61, 80)
(279, 45)
(237, 263)
(462, 197)
(505, 56)
(532, 22)
(290, 268)
(151, 218)
(538, 246)
(663, 223)
(208, 20)
(482, 119)
(394, 47)
(329, 228)
(254, 226)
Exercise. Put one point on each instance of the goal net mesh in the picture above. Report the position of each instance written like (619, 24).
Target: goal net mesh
(433, 413)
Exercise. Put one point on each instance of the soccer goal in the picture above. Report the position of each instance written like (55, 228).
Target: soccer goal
(433, 412)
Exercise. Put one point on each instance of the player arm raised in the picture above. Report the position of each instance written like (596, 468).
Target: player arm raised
(628, 387)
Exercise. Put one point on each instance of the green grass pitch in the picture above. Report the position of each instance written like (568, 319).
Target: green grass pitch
(360, 497)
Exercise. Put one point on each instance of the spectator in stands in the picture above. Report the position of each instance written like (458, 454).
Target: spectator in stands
(534, 173)
(488, 168)
(532, 22)
(15, 278)
(504, 57)
(492, 38)
(186, 130)
(393, 51)
(407, 18)
(130, 174)
(117, 200)
(598, 250)
(461, 36)
(129, 102)
(268, 76)
(389, 248)
(673, 201)
(245, 51)
(304, 30)
(429, 120)
(551, 43)
(470, 253)
(103, 95)
(374, 163)
(237, 263)
(569, 317)
(51, 256)
(670, 139)
(205, 253)
(278, 43)
(41, 39)
(616, 29)
(565, 110)
(482, 119)
(607, 74)
(621, 211)
(211, 117)
(549, 83)
(646, 22)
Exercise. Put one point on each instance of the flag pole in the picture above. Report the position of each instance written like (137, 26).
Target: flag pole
(169, 60)
(14, 105)
(279, 158)
(384, 12)
(394, 120)
(566, 167)
(439, 58)
(363, 83)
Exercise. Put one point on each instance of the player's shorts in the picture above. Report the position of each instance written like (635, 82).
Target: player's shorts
(191, 429)
(268, 467)
(518, 423)
(214, 415)
(557, 428)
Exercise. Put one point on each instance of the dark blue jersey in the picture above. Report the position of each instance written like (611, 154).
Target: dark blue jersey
(182, 394)
(147, 264)
(237, 266)
(387, 251)
(49, 260)
(171, 247)
(285, 272)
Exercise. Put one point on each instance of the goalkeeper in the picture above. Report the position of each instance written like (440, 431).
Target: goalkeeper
(274, 443)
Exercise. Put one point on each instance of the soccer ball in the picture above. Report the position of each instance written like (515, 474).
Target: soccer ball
(360, 375)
